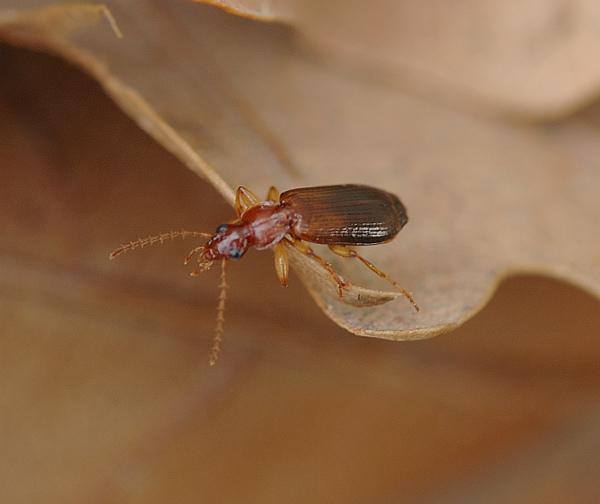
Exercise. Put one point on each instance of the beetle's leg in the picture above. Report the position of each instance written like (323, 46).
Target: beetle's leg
(273, 194)
(244, 199)
(306, 250)
(282, 265)
(216, 346)
(159, 238)
(344, 251)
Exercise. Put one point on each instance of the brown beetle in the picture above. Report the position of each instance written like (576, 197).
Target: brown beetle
(337, 216)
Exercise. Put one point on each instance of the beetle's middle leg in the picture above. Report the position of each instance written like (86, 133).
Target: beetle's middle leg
(344, 251)
(308, 251)
(244, 199)
(273, 194)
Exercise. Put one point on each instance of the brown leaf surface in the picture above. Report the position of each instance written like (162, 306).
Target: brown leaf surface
(105, 395)
(531, 58)
(240, 103)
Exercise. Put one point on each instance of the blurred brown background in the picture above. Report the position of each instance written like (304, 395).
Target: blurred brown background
(105, 395)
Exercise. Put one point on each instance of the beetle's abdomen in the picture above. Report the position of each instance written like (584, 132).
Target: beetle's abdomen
(345, 214)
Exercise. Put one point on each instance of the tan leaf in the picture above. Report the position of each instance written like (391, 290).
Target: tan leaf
(532, 58)
(105, 394)
(241, 104)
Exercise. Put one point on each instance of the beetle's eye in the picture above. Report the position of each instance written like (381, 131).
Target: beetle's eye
(235, 253)
(221, 228)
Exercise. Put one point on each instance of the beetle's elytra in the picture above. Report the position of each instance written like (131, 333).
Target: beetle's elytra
(338, 216)
(345, 214)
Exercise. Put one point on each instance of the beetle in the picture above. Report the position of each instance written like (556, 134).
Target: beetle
(338, 216)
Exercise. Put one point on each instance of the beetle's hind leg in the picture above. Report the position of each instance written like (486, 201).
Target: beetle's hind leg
(244, 199)
(308, 251)
(344, 251)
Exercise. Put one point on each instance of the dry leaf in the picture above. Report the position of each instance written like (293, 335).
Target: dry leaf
(105, 395)
(242, 104)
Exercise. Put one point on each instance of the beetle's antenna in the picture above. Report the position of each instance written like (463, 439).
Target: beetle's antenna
(216, 346)
(152, 240)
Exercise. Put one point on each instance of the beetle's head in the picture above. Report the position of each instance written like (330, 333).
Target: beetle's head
(230, 241)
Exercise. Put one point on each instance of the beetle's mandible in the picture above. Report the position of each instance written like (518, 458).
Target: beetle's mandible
(338, 216)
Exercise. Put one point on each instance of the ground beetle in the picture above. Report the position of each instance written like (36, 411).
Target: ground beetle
(338, 216)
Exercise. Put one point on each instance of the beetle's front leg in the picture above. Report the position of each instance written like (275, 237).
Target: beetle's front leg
(345, 251)
(282, 264)
(244, 199)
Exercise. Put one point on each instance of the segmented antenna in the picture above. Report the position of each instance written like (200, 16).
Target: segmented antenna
(154, 239)
(216, 346)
